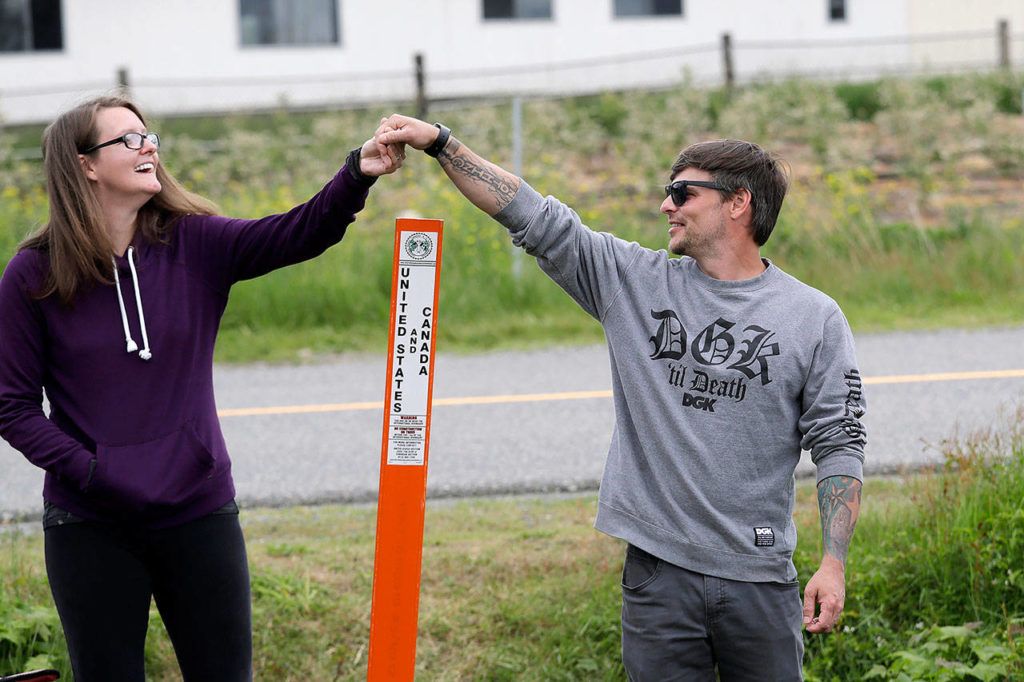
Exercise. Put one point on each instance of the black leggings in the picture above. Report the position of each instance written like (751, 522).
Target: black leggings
(103, 576)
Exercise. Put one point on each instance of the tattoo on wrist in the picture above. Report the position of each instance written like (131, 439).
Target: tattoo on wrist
(839, 502)
(502, 187)
(445, 156)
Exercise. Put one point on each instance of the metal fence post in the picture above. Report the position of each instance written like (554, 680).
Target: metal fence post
(1003, 33)
(517, 168)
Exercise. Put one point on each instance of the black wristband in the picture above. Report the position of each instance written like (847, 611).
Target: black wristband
(352, 163)
(442, 139)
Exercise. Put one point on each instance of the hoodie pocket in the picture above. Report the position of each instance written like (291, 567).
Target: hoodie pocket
(157, 474)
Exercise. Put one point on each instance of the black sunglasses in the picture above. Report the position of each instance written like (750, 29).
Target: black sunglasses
(130, 140)
(677, 190)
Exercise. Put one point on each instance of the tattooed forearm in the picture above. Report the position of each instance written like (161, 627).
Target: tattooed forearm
(839, 503)
(449, 152)
(501, 189)
(486, 185)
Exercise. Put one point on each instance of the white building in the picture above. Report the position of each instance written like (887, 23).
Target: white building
(190, 56)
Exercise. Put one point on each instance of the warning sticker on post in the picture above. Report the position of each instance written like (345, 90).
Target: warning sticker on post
(413, 316)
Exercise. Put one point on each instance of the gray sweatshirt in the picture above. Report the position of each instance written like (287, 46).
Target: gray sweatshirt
(718, 387)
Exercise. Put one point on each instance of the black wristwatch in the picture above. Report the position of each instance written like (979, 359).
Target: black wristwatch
(442, 139)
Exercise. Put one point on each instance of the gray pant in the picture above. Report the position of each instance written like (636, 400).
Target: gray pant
(680, 625)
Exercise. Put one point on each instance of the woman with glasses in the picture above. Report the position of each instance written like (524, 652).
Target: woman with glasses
(112, 308)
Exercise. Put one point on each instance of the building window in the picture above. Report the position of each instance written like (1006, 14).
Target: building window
(30, 25)
(289, 22)
(648, 8)
(837, 10)
(517, 9)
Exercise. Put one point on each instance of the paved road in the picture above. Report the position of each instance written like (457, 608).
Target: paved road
(316, 440)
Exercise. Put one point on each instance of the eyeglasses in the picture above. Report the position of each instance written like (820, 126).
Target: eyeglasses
(131, 140)
(677, 190)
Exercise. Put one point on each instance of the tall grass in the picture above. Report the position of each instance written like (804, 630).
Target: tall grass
(904, 207)
(525, 589)
(936, 578)
(30, 632)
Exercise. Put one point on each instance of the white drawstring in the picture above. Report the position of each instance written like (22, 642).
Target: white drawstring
(145, 353)
(130, 344)
(132, 347)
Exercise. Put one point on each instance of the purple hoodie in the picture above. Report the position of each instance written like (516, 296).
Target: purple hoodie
(136, 440)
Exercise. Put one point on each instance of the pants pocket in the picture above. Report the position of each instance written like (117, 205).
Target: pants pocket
(639, 569)
(54, 516)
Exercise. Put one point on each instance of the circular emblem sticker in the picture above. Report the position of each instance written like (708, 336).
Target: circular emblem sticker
(418, 246)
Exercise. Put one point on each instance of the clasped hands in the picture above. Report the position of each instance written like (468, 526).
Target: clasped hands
(384, 153)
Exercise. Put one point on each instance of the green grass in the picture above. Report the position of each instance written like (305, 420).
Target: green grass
(523, 588)
(903, 205)
(899, 210)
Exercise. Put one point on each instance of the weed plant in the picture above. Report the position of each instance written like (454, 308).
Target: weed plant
(525, 589)
(30, 632)
(898, 209)
(936, 580)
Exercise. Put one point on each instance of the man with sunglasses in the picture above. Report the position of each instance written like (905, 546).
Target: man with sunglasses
(724, 368)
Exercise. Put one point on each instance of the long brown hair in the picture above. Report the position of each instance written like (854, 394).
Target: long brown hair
(74, 236)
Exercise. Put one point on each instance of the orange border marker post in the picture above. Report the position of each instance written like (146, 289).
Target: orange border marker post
(403, 466)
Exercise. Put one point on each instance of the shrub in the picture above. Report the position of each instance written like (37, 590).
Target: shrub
(936, 585)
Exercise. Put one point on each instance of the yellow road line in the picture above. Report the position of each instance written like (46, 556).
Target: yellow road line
(947, 376)
(583, 395)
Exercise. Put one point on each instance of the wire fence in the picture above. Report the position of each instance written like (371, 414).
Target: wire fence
(725, 62)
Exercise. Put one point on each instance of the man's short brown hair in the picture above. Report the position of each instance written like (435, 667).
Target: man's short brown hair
(736, 164)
